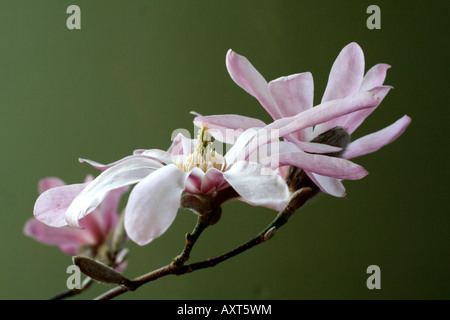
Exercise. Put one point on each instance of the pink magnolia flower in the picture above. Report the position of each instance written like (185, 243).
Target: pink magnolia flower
(161, 177)
(56, 196)
(291, 97)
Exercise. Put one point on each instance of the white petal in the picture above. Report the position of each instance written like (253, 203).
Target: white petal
(125, 173)
(153, 204)
(258, 185)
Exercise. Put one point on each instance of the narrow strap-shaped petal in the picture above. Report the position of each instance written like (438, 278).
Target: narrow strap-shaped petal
(325, 112)
(51, 205)
(248, 78)
(123, 174)
(153, 204)
(181, 145)
(353, 120)
(154, 154)
(320, 164)
(374, 141)
(258, 185)
(374, 77)
(346, 73)
(294, 94)
(227, 128)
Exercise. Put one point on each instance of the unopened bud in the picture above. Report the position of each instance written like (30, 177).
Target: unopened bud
(99, 271)
(269, 234)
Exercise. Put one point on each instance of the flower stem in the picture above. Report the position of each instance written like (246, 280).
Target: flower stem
(178, 267)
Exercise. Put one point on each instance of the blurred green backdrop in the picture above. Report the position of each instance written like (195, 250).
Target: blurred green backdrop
(131, 75)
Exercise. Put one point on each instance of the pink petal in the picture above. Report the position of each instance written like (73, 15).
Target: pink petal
(153, 204)
(325, 112)
(353, 120)
(51, 205)
(294, 94)
(346, 73)
(227, 128)
(323, 165)
(258, 185)
(212, 181)
(68, 239)
(374, 77)
(373, 142)
(194, 181)
(123, 174)
(49, 183)
(248, 78)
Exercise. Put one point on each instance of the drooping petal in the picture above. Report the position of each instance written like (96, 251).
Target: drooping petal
(258, 185)
(353, 120)
(123, 174)
(227, 128)
(329, 185)
(105, 217)
(153, 204)
(49, 183)
(374, 77)
(320, 164)
(346, 73)
(294, 94)
(248, 78)
(51, 205)
(373, 142)
(67, 239)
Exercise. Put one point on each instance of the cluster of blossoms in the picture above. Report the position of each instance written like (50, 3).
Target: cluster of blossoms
(304, 146)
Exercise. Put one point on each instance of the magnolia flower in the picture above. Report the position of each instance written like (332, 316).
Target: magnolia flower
(161, 179)
(195, 168)
(291, 97)
(95, 228)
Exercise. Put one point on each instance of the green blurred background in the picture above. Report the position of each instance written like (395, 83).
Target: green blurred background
(131, 75)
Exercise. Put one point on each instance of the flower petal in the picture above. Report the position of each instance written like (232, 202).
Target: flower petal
(153, 154)
(181, 145)
(248, 78)
(49, 183)
(258, 185)
(373, 142)
(325, 112)
(329, 185)
(323, 165)
(346, 73)
(227, 128)
(51, 205)
(105, 216)
(352, 120)
(123, 174)
(374, 77)
(153, 204)
(294, 94)
(212, 181)
(68, 239)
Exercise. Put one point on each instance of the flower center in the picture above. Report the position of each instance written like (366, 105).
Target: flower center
(204, 156)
